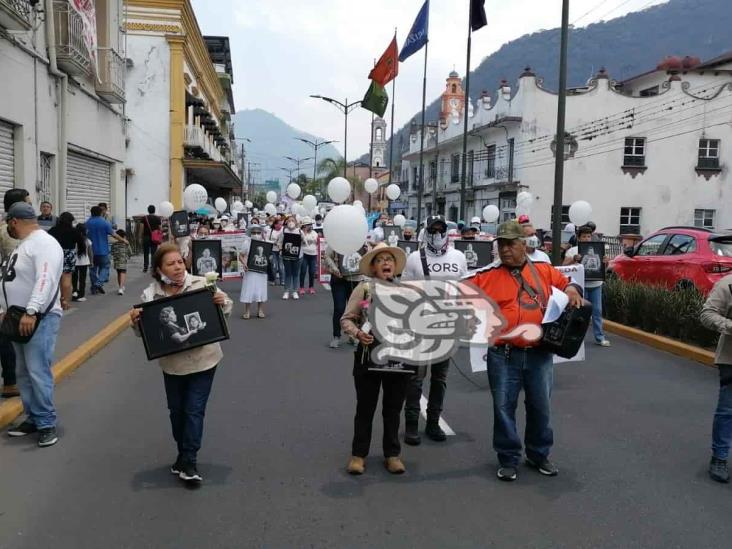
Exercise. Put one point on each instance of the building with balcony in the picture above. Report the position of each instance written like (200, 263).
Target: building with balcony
(645, 153)
(62, 127)
(180, 103)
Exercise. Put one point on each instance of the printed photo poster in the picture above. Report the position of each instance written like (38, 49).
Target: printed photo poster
(179, 226)
(392, 234)
(323, 274)
(242, 220)
(351, 264)
(291, 243)
(206, 257)
(258, 257)
(593, 259)
(233, 245)
(408, 246)
(478, 253)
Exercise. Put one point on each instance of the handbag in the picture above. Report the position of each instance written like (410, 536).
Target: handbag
(10, 326)
(156, 236)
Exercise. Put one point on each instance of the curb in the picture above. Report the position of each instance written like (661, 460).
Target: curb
(12, 408)
(662, 343)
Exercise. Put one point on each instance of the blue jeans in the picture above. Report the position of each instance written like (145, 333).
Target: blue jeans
(187, 399)
(278, 269)
(100, 271)
(292, 271)
(594, 296)
(533, 371)
(722, 426)
(33, 362)
(307, 264)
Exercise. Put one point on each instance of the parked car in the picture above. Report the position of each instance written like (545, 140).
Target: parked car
(677, 257)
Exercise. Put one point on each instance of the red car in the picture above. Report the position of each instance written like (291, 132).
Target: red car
(677, 257)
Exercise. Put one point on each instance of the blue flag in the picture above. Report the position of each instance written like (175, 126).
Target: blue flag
(417, 37)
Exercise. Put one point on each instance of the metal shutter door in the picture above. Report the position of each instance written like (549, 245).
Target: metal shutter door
(7, 158)
(88, 182)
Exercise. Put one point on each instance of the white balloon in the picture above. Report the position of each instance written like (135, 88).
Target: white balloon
(248, 204)
(309, 202)
(256, 211)
(195, 197)
(491, 213)
(358, 203)
(393, 191)
(339, 189)
(220, 205)
(293, 190)
(580, 213)
(166, 208)
(237, 206)
(524, 198)
(399, 220)
(271, 197)
(345, 228)
(371, 185)
(270, 209)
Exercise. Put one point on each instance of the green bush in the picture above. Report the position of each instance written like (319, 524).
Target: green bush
(670, 313)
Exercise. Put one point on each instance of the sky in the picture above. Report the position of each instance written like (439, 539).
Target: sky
(285, 50)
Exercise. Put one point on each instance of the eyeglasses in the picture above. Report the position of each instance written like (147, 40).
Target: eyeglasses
(384, 259)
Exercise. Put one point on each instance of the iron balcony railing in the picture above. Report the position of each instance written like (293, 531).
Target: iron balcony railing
(16, 14)
(71, 52)
(111, 83)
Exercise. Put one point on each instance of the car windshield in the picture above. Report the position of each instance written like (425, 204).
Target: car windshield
(722, 248)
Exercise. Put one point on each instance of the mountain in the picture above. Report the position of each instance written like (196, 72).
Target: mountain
(273, 140)
(625, 46)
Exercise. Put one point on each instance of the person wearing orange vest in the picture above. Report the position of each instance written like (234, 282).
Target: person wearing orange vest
(521, 290)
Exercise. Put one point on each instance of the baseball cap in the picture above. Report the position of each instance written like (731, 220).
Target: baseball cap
(510, 230)
(434, 220)
(475, 221)
(523, 219)
(21, 210)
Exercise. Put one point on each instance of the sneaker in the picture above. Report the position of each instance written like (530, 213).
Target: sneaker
(508, 474)
(435, 432)
(295, 296)
(302, 291)
(718, 470)
(411, 433)
(10, 391)
(286, 295)
(121, 291)
(24, 429)
(189, 473)
(75, 295)
(335, 343)
(47, 437)
(545, 467)
(604, 343)
(80, 299)
(100, 290)
(175, 469)
(311, 291)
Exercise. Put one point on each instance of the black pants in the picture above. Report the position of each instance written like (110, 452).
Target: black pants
(438, 386)
(7, 360)
(78, 280)
(148, 250)
(341, 290)
(368, 386)
(187, 398)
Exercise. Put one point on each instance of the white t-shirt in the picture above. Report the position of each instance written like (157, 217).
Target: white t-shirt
(537, 256)
(310, 243)
(449, 266)
(34, 273)
(588, 283)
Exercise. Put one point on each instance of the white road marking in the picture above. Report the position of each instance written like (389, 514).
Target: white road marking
(443, 424)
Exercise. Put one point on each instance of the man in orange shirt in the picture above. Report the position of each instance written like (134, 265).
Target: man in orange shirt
(521, 290)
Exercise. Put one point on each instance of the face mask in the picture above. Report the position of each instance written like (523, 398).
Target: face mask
(437, 242)
(165, 280)
(291, 226)
(407, 237)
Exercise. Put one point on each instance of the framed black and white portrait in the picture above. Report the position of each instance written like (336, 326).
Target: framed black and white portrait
(181, 323)
(392, 234)
(478, 253)
(179, 226)
(242, 220)
(593, 259)
(291, 243)
(207, 257)
(259, 254)
(408, 246)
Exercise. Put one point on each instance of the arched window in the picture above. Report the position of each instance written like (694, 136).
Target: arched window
(454, 88)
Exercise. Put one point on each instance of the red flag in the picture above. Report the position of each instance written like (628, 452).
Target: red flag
(388, 66)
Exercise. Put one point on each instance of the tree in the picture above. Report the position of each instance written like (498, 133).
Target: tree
(259, 200)
(330, 168)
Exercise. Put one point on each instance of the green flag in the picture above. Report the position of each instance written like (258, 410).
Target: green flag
(376, 99)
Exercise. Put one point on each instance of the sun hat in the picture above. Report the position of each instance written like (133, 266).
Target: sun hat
(399, 256)
(307, 220)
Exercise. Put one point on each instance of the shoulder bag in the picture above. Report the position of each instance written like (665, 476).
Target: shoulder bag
(156, 236)
(10, 326)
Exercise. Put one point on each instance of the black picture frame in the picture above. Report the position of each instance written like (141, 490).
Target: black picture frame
(240, 216)
(214, 247)
(394, 232)
(179, 225)
(255, 263)
(190, 310)
(291, 244)
(478, 253)
(593, 259)
(408, 246)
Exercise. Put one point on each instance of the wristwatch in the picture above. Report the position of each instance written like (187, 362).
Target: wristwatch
(30, 311)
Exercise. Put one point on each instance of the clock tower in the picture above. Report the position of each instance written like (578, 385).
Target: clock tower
(453, 98)
(378, 142)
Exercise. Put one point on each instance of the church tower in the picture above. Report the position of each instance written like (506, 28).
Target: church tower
(453, 98)
(378, 140)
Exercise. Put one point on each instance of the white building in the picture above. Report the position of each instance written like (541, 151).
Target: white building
(645, 153)
(62, 131)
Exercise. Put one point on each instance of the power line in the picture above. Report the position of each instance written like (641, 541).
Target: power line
(589, 12)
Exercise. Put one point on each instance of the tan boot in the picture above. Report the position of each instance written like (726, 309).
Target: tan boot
(395, 466)
(356, 466)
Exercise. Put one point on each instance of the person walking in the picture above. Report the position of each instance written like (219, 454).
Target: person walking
(291, 256)
(121, 254)
(31, 280)
(309, 261)
(435, 260)
(99, 230)
(521, 290)
(70, 241)
(151, 236)
(83, 260)
(715, 316)
(253, 284)
(278, 268)
(46, 220)
(188, 375)
(345, 275)
(382, 263)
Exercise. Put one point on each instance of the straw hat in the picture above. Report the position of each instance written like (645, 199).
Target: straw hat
(398, 253)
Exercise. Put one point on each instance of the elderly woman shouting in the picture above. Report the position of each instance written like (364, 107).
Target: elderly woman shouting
(383, 263)
(188, 375)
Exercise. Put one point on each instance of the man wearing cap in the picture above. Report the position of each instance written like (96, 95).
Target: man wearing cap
(533, 243)
(435, 260)
(31, 280)
(521, 288)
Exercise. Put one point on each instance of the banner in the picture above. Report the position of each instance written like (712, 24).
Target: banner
(87, 12)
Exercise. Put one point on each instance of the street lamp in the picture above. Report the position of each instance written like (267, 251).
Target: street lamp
(298, 161)
(289, 172)
(346, 108)
(315, 145)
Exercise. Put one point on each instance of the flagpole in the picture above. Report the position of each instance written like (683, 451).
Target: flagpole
(463, 177)
(420, 188)
(391, 139)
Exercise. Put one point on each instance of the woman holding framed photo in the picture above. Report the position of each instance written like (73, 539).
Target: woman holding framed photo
(188, 375)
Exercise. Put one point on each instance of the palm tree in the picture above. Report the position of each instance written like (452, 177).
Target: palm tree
(330, 168)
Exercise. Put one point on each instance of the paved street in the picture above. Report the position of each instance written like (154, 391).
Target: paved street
(631, 425)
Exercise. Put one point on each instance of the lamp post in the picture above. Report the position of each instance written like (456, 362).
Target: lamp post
(346, 108)
(315, 145)
(298, 161)
(289, 172)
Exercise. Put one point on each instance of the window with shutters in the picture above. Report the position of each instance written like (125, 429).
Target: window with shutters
(635, 152)
(704, 219)
(455, 168)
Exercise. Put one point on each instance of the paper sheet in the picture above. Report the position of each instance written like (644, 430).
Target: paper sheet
(558, 301)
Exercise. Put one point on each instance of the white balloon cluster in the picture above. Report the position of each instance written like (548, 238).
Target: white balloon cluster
(270, 209)
(220, 205)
